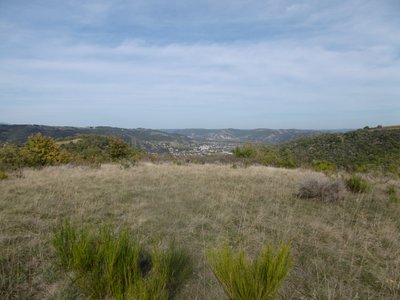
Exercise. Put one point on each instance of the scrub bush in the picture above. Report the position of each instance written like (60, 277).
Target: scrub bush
(243, 278)
(322, 188)
(357, 184)
(108, 265)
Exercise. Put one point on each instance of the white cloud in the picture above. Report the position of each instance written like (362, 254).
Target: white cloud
(324, 61)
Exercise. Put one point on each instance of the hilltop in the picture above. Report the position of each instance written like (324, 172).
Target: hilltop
(146, 139)
(260, 135)
(359, 149)
(176, 141)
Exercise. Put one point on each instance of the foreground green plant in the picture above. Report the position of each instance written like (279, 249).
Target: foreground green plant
(357, 184)
(392, 193)
(108, 265)
(3, 175)
(243, 278)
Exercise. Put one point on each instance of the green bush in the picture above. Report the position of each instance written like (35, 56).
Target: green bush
(244, 279)
(108, 265)
(269, 156)
(287, 163)
(118, 149)
(10, 157)
(247, 151)
(324, 166)
(97, 149)
(357, 184)
(41, 151)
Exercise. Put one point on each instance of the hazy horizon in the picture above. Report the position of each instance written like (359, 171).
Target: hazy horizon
(183, 128)
(205, 64)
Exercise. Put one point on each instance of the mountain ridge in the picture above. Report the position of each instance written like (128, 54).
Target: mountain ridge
(258, 135)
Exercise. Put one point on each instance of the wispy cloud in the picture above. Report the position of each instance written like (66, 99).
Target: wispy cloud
(311, 65)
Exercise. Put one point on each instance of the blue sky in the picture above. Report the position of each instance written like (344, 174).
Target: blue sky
(209, 64)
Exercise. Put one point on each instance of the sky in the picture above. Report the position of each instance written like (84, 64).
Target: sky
(308, 64)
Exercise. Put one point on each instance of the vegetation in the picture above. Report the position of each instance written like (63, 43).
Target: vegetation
(364, 150)
(10, 157)
(100, 149)
(264, 155)
(107, 265)
(391, 190)
(19, 134)
(357, 184)
(341, 251)
(244, 279)
(361, 150)
(247, 151)
(42, 151)
(325, 189)
(324, 166)
(3, 175)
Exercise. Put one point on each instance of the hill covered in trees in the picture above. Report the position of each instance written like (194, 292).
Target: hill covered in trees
(146, 139)
(359, 150)
(19, 134)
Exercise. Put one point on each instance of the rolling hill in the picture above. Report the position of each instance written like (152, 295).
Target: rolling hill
(147, 139)
(363, 148)
(261, 135)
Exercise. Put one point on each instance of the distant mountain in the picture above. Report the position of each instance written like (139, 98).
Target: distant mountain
(264, 136)
(143, 138)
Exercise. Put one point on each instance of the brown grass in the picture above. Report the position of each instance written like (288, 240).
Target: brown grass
(344, 250)
(322, 188)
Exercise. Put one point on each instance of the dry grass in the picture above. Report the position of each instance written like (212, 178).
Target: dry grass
(325, 189)
(344, 250)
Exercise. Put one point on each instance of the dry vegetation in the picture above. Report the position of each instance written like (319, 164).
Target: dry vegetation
(349, 249)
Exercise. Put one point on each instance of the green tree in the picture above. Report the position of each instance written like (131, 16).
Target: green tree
(41, 150)
(118, 149)
(10, 157)
(247, 151)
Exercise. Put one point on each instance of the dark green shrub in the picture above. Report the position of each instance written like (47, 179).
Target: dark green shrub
(269, 156)
(244, 279)
(10, 157)
(97, 149)
(247, 151)
(357, 184)
(287, 160)
(118, 149)
(108, 265)
(287, 163)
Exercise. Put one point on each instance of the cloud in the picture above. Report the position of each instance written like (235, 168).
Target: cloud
(313, 65)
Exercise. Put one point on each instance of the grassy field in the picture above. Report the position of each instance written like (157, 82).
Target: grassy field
(344, 250)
